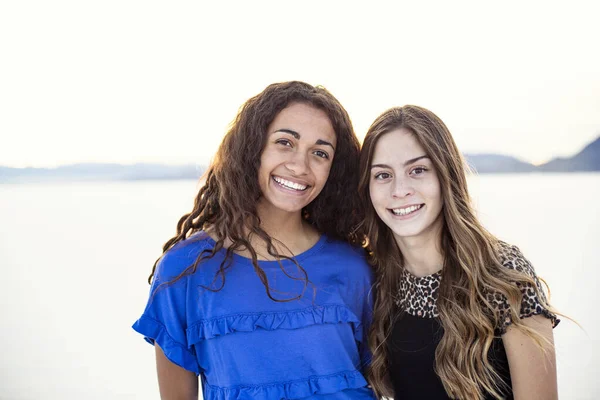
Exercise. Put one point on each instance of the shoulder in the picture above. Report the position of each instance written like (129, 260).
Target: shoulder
(522, 273)
(352, 258)
(181, 256)
(533, 297)
(345, 250)
(512, 258)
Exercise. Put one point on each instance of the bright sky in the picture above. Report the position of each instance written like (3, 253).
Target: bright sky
(148, 81)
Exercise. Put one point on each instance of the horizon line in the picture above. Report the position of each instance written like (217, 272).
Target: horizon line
(207, 163)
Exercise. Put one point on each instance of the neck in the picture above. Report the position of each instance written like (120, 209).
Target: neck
(281, 225)
(289, 228)
(422, 254)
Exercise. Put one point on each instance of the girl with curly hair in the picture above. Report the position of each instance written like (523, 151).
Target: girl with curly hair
(262, 293)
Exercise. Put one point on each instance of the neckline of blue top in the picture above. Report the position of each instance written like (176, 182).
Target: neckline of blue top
(248, 261)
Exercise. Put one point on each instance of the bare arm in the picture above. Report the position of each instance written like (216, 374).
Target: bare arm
(533, 372)
(175, 383)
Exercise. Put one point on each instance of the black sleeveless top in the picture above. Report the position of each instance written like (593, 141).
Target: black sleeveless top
(412, 353)
(417, 331)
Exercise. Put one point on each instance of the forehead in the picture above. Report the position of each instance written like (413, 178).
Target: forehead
(396, 147)
(310, 122)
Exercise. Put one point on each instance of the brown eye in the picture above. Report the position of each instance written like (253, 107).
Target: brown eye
(284, 142)
(418, 171)
(322, 154)
(382, 176)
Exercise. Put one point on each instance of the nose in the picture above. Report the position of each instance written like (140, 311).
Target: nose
(402, 188)
(298, 163)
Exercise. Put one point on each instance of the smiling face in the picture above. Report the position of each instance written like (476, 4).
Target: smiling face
(404, 187)
(296, 160)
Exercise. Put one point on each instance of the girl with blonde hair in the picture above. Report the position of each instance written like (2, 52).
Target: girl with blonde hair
(458, 313)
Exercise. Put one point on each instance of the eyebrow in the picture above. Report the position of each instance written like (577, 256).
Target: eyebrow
(406, 163)
(297, 136)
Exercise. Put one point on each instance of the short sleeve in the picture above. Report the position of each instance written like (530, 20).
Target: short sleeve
(532, 302)
(164, 319)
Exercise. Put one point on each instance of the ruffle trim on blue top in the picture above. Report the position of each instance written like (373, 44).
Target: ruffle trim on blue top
(249, 322)
(176, 352)
(289, 390)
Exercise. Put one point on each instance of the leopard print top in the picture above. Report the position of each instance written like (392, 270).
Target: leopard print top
(418, 295)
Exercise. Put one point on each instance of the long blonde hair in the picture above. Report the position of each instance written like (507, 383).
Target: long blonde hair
(471, 272)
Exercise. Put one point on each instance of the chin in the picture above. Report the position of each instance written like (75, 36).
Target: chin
(402, 229)
(416, 230)
(287, 207)
(407, 233)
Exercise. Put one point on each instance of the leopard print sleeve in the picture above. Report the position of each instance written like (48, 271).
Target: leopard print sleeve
(511, 257)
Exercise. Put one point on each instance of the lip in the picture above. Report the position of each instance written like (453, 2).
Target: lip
(285, 190)
(408, 216)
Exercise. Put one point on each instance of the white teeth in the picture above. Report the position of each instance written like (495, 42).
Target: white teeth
(405, 211)
(289, 184)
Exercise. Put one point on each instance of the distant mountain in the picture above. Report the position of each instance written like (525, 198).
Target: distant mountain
(496, 163)
(587, 159)
(100, 172)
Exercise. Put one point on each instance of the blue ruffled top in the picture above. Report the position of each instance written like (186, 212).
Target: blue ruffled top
(244, 345)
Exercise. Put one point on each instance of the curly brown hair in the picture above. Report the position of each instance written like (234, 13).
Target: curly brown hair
(226, 203)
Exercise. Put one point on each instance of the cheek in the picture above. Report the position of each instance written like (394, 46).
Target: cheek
(322, 172)
(375, 194)
(436, 192)
(263, 181)
(265, 168)
(440, 197)
(434, 195)
(273, 154)
(264, 160)
(430, 188)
